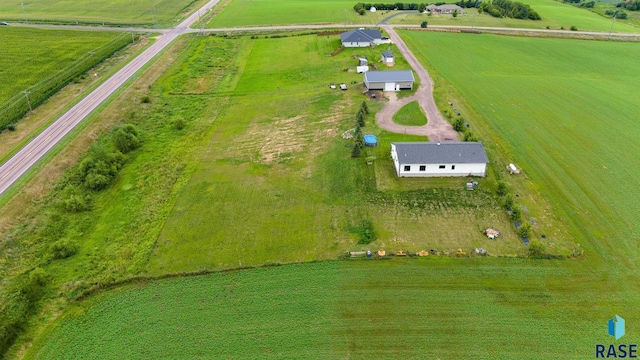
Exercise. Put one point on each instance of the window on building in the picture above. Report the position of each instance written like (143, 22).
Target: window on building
(407, 168)
(453, 167)
(423, 168)
(441, 167)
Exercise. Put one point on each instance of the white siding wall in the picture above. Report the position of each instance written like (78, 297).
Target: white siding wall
(356, 44)
(434, 170)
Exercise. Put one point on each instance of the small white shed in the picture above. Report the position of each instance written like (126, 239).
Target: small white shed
(387, 58)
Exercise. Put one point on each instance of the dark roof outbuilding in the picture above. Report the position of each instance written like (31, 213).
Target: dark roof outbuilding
(389, 76)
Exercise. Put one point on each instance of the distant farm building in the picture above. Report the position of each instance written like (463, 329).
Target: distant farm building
(387, 58)
(424, 159)
(444, 9)
(363, 38)
(389, 80)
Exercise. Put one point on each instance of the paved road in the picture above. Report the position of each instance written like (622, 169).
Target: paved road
(20, 163)
(437, 128)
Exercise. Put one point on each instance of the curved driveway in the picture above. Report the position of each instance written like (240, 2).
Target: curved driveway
(437, 128)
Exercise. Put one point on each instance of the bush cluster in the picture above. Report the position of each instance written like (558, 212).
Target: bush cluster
(361, 8)
(631, 6)
(510, 9)
(459, 126)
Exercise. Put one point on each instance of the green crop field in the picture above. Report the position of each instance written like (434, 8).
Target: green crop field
(555, 15)
(410, 115)
(281, 12)
(120, 12)
(401, 308)
(42, 61)
(564, 109)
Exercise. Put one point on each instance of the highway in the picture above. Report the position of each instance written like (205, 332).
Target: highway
(29, 155)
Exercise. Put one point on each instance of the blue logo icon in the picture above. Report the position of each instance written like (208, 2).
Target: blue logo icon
(616, 327)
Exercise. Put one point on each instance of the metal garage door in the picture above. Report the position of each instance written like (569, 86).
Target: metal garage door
(389, 86)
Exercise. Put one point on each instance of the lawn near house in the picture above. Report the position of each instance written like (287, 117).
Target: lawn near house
(410, 115)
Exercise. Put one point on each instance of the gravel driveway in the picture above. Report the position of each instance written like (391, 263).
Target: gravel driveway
(437, 128)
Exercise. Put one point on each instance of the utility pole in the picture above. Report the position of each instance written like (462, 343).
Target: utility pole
(612, 22)
(473, 22)
(24, 12)
(26, 95)
(155, 22)
(345, 17)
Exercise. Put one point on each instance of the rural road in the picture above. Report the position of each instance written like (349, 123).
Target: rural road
(437, 128)
(24, 159)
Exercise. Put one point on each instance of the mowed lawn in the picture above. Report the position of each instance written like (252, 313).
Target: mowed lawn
(145, 12)
(30, 56)
(410, 115)
(401, 308)
(566, 110)
(281, 12)
(555, 15)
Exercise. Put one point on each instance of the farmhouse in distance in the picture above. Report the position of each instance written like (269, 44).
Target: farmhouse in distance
(363, 38)
(425, 159)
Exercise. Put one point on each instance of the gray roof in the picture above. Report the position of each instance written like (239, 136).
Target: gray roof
(360, 36)
(389, 76)
(441, 153)
(387, 54)
(450, 7)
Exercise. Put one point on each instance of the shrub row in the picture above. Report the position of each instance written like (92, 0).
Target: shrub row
(97, 171)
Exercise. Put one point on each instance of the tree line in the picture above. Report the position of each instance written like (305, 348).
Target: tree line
(508, 8)
(496, 8)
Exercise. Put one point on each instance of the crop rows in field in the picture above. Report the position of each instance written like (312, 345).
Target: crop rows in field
(41, 62)
(119, 12)
(411, 308)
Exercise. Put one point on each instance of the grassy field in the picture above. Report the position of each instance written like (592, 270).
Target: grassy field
(410, 115)
(279, 12)
(121, 12)
(555, 15)
(570, 107)
(45, 60)
(401, 308)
